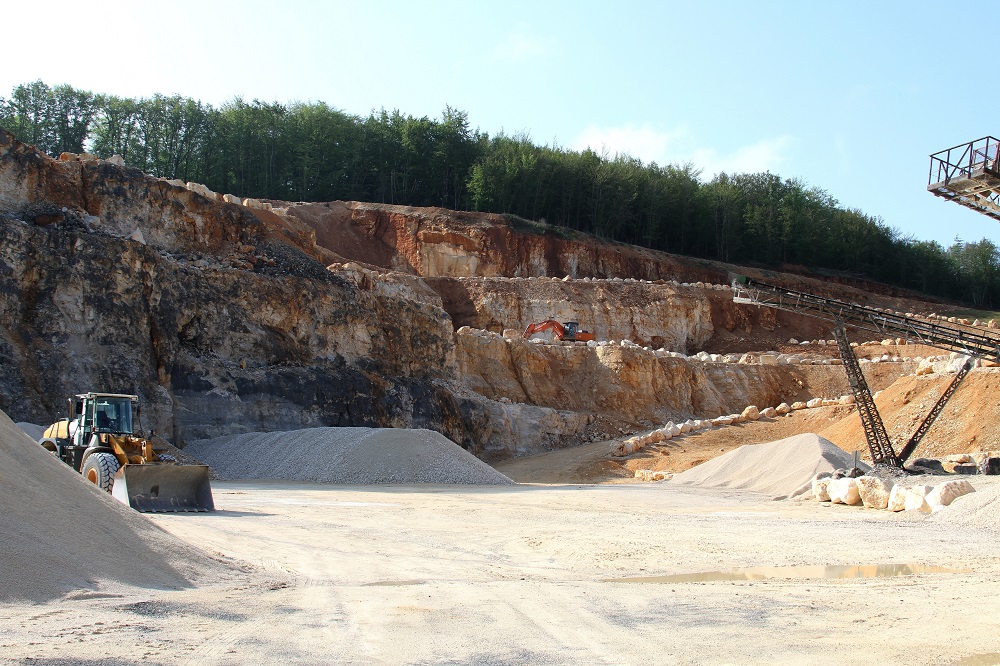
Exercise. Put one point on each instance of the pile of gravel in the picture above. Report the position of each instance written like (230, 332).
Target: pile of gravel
(32, 430)
(61, 533)
(784, 468)
(350, 456)
(978, 510)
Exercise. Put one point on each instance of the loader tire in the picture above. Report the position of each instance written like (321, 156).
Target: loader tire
(99, 469)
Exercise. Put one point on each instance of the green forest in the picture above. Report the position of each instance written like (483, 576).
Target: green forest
(309, 151)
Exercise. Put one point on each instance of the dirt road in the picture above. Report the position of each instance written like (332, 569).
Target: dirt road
(392, 575)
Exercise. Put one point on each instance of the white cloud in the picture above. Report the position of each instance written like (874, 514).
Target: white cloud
(642, 142)
(677, 146)
(769, 154)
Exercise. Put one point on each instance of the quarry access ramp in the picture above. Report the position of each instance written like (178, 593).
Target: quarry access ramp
(942, 336)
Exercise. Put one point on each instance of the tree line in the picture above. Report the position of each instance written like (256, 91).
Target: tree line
(309, 151)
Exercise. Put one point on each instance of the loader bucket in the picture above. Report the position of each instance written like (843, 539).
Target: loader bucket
(156, 487)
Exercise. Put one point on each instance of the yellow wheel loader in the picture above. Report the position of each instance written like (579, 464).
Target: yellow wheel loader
(99, 442)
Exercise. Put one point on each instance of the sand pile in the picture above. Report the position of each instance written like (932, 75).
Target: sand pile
(978, 510)
(60, 533)
(783, 468)
(345, 456)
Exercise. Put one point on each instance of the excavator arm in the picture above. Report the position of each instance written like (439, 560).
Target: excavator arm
(547, 325)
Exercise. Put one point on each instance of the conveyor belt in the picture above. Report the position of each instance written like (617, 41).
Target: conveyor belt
(841, 313)
(948, 337)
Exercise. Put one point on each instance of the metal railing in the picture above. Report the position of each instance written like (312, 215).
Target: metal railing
(964, 161)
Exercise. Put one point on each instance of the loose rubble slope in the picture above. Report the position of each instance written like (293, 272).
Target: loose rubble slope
(61, 533)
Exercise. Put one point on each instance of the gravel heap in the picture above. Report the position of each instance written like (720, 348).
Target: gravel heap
(784, 468)
(32, 430)
(61, 533)
(350, 456)
(979, 510)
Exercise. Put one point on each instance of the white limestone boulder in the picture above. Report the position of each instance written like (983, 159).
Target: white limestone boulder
(897, 499)
(916, 499)
(874, 492)
(820, 489)
(844, 491)
(751, 413)
(783, 408)
(947, 492)
(768, 412)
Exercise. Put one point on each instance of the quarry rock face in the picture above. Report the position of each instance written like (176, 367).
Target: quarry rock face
(657, 315)
(230, 315)
(628, 382)
(434, 242)
(222, 320)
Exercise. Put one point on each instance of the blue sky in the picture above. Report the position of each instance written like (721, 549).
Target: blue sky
(850, 97)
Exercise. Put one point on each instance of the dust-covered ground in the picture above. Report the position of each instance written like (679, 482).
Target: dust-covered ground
(526, 574)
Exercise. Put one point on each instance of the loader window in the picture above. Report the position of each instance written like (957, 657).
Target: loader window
(113, 415)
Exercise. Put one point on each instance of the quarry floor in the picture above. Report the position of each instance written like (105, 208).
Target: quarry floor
(525, 574)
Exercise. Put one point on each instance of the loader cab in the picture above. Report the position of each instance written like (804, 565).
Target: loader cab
(104, 412)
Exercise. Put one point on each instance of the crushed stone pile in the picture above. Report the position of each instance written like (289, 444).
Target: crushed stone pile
(783, 468)
(350, 456)
(32, 430)
(978, 510)
(61, 534)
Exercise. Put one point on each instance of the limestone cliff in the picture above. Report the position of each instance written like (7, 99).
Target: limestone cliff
(435, 242)
(630, 384)
(219, 316)
(229, 315)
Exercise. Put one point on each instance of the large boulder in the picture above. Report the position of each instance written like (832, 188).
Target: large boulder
(819, 489)
(897, 499)
(945, 493)
(844, 491)
(916, 499)
(874, 492)
(989, 465)
(751, 413)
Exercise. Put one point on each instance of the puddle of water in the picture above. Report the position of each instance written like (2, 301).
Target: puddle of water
(392, 583)
(984, 659)
(811, 571)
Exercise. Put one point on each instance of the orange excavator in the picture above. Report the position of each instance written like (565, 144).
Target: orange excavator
(569, 330)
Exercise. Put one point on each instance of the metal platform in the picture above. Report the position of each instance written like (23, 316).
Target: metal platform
(969, 175)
